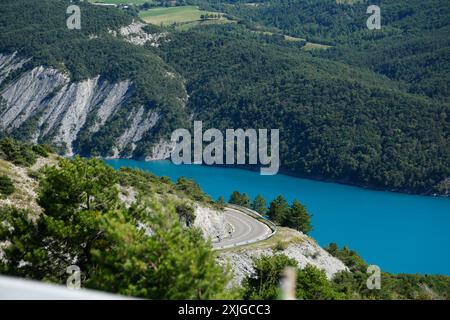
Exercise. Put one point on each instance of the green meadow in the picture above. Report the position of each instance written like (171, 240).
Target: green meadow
(180, 15)
(138, 2)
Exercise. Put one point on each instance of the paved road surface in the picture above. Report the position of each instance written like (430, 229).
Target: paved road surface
(245, 228)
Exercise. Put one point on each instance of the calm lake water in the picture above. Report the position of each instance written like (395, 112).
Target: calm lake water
(400, 233)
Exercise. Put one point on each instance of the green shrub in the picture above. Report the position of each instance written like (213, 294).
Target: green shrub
(263, 283)
(34, 174)
(186, 213)
(239, 199)
(191, 189)
(220, 204)
(6, 186)
(280, 246)
(17, 152)
(41, 150)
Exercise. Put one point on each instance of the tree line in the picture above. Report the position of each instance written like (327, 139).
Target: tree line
(279, 211)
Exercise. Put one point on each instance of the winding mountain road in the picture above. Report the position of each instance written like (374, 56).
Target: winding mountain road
(246, 229)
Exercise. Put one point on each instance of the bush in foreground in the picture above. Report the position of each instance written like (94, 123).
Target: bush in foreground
(6, 186)
(140, 251)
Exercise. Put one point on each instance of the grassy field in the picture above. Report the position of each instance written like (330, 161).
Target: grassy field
(122, 1)
(171, 15)
(308, 46)
(315, 46)
(287, 38)
(188, 25)
(350, 1)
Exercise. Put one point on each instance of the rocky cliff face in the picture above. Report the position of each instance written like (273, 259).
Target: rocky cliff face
(44, 105)
(210, 221)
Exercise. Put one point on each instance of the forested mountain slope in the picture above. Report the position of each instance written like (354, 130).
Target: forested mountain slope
(412, 45)
(371, 110)
(336, 121)
(85, 91)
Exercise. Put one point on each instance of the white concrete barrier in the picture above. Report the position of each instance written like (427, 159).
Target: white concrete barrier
(22, 289)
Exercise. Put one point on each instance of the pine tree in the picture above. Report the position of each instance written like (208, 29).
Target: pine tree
(245, 200)
(239, 199)
(235, 198)
(278, 210)
(6, 186)
(220, 203)
(259, 205)
(298, 218)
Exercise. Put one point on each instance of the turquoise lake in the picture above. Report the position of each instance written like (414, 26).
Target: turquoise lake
(400, 233)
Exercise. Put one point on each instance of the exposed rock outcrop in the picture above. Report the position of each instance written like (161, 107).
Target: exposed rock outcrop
(140, 122)
(44, 105)
(161, 150)
(135, 34)
(210, 221)
(10, 63)
(60, 107)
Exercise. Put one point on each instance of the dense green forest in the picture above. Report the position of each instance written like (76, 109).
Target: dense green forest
(371, 110)
(412, 45)
(336, 121)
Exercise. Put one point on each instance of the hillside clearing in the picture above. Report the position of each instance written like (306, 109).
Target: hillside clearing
(183, 14)
(137, 2)
(308, 46)
(315, 46)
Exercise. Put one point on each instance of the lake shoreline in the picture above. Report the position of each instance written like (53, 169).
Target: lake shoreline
(304, 176)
